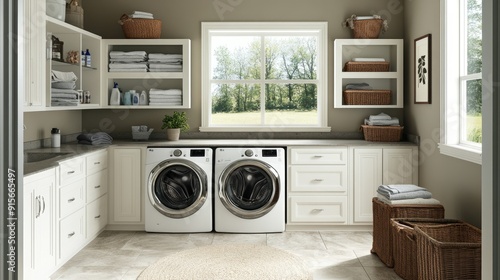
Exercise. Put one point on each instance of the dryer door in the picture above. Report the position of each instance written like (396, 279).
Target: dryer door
(249, 188)
(177, 188)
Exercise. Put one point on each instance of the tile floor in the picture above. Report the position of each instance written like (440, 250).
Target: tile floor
(330, 254)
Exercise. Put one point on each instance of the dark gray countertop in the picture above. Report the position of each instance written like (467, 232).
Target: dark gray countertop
(76, 150)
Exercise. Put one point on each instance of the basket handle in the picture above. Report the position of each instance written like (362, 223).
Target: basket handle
(123, 19)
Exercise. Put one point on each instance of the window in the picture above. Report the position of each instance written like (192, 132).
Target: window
(461, 111)
(266, 76)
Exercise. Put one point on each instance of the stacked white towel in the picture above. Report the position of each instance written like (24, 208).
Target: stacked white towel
(405, 194)
(139, 14)
(132, 61)
(62, 89)
(382, 119)
(165, 97)
(160, 62)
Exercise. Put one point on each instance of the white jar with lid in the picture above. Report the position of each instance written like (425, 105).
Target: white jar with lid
(56, 137)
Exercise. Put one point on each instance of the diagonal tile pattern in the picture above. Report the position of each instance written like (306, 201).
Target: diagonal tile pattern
(330, 254)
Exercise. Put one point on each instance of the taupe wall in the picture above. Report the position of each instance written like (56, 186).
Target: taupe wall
(39, 124)
(456, 183)
(182, 19)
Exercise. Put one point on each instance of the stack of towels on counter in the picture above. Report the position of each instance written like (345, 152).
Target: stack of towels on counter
(358, 86)
(165, 97)
(382, 119)
(139, 14)
(98, 138)
(133, 61)
(160, 62)
(405, 194)
(62, 89)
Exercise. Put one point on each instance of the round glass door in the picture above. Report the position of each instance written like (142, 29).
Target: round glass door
(177, 188)
(249, 189)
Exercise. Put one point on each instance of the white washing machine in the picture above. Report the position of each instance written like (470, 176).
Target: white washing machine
(178, 189)
(249, 190)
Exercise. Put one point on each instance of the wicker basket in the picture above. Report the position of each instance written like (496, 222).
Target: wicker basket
(382, 133)
(449, 252)
(372, 66)
(139, 28)
(367, 97)
(404, 244)
(382, 215)
(367, 28)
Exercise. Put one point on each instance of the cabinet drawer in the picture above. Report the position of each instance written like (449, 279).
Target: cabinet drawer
(97, 215)
(71, 234)
(71, 198)
(316, 209)
(318, 156)
(96, 162)
(97, 185)
(71, 170)
(327, 178)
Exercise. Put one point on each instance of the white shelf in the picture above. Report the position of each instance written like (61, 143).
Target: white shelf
(389, 49)
(144, 81)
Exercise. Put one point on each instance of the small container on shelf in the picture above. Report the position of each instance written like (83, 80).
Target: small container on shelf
(141, 132)
(367, 97)
(380, 133)
(366, 66)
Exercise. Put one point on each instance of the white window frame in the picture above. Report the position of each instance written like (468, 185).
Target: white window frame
(209, 28)
(451, 66)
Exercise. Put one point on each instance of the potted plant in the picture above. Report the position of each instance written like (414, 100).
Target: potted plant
(174, 124)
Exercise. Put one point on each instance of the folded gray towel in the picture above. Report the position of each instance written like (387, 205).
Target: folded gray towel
(400, 188)
(363, 86)
(403, 191)
(406, 195)
(393, 121)
(97, 138)
(381, 116)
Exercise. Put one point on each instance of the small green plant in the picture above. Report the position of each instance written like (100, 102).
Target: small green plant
(176, 120)
(475, 135)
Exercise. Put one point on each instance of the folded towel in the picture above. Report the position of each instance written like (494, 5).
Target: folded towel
(391, 122)
(162, 92)
(114, 54)
(97, 138)
(127, 59)
(141, 13)
(63, 90)
(368, 59)
(64, 96)
(127, 65)
(408, 201)
(166, 60)
(164, 55)
(62, 102)
(363, 86)
(166, 104)
(403, 191)
(63, 85)
(128, 70)
(380, 116)
(406, 195)
(400, 188)
(164, 66)
(166, 70)
(140, 16)
(58, 76)
(364, 17)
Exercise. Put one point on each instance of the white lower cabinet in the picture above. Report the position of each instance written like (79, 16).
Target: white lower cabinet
(39, 225)
(317, 185)
(126, 188)
(375, 166)
(97, 215)
(71, 234)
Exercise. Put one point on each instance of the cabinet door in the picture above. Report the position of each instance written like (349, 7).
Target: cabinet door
(35, 54)
(126, 188)
(39, 225)
(367, 178)
(399, 166)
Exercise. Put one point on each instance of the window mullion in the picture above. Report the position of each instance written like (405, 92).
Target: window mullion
(262, 80)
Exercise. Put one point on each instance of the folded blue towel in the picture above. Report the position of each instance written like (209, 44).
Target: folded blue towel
(403, 191)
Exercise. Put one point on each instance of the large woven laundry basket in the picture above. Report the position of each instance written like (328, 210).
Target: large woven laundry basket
(139, 28)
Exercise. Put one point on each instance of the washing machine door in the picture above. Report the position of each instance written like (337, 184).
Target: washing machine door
(249, 188)
(177, 188)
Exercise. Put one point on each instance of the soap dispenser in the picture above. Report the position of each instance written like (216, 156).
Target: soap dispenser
(55, 137)
(115, 95)
(143, 99)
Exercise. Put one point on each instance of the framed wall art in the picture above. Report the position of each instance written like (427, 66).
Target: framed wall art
(422, 69)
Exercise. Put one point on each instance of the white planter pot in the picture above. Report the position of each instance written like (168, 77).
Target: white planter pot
(173, 134)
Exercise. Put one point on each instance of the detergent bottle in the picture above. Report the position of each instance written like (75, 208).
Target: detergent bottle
(115, 95)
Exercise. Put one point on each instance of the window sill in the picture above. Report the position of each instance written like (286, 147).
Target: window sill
(461, 152)
(265, 129)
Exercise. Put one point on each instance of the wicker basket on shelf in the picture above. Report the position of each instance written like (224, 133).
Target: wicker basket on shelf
(382, 133)
(449, 252)
(367, 29)
(366, 66)
(367, 97)
(140, 28)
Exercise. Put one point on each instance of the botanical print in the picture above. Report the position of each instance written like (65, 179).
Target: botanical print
(422, 70)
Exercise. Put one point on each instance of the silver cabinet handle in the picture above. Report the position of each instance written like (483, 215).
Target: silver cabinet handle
(97, 162)
(43, 201)
(71, 234)
(317, 156)
(39, 207)
(318, 180)
(71, 199)
(97, 217)
(71, 172)
(98, 186)
(317, 210)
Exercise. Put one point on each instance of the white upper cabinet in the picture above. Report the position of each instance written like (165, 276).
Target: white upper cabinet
(145, 81)
(391, 50)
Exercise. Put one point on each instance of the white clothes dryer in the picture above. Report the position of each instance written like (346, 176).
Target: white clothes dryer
(249, 190)
(178, 193)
